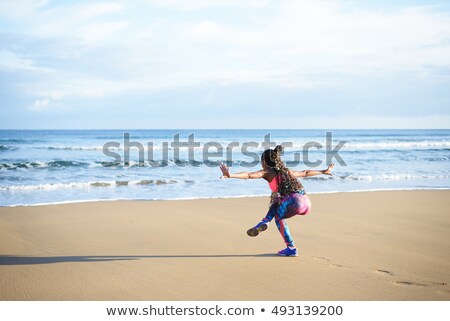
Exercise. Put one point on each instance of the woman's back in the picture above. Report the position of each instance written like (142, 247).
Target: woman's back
(273, 184)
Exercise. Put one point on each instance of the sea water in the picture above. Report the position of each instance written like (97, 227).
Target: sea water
(54, 166)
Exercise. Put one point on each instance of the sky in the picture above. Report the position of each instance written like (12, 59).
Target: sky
(178, 64)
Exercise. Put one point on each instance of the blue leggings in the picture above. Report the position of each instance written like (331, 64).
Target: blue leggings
(295, 204)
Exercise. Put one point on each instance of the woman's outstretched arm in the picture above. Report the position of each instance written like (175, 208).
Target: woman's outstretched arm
(243, 175)
(308, 173)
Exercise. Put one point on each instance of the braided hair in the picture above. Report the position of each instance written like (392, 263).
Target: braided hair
(287, 183)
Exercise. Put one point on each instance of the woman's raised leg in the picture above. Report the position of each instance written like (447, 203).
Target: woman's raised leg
(264, 224)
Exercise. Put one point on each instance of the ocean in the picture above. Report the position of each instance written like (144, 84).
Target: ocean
(57, 166)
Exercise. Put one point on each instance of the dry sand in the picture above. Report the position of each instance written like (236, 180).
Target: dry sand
(353, 246)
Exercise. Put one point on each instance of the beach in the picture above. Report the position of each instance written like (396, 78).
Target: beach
(378, 245)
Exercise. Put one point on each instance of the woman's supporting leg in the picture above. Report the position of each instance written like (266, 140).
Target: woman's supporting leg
(284, 230)
(286, 210)
(278, 212)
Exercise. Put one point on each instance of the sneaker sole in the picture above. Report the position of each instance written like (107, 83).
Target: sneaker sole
(293, 255)
(255, 231)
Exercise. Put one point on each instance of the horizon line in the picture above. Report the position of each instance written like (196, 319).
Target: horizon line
(80, 129)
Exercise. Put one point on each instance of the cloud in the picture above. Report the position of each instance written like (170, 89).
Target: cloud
(318, 35)
(40, 104)
(96, 32)
(20, 8)
(10, 61)
(205, 4)
(84, 22)
(100, 50)
(51, 101)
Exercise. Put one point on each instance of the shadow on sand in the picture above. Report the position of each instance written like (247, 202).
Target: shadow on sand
(28, 260)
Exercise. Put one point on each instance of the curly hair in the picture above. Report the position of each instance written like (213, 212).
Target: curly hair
(287, 184)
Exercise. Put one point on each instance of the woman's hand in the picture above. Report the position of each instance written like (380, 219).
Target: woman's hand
(225, 171)
(328, 170)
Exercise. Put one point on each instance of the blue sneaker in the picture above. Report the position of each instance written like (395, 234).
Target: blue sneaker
(260, 227)
(288, 252)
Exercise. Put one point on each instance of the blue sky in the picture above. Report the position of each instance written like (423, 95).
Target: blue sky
(224, 64)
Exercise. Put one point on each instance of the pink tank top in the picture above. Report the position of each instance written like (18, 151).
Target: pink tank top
(273, 184)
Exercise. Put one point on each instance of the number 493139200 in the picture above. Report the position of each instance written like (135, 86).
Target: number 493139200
(307, 310)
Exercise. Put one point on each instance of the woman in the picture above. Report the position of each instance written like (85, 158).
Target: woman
(288, 195)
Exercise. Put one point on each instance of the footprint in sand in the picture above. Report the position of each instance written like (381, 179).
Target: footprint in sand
(321, 258)
(329, 261)
(409, 283)
(340, 266)
(384, 272)
(446, 293)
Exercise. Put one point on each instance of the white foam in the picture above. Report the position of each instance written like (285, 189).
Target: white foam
(55, 186)
(349, 145)
(391, 177)
(398, 145)
(93, 184)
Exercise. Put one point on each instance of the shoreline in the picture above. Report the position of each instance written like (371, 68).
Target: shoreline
(387, 245)
(217, 197)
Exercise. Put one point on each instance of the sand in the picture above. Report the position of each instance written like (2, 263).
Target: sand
(392, 245)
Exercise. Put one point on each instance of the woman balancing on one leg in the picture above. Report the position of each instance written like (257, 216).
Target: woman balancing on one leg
(288, 195)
